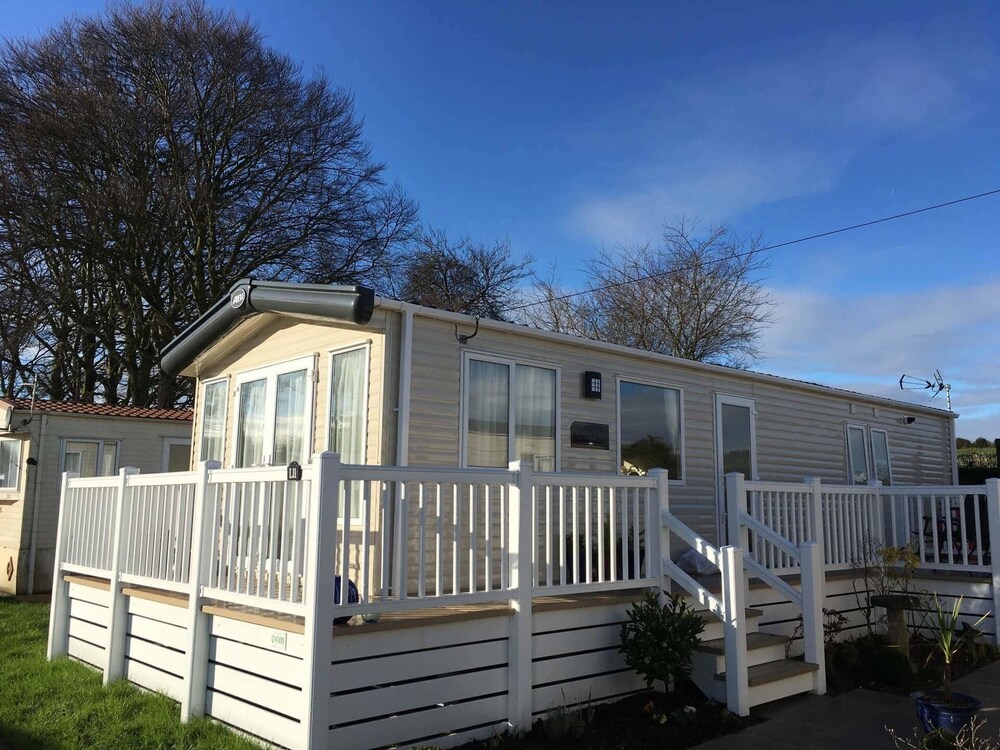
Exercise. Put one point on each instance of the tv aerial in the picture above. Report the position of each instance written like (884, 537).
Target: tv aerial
(910, 383)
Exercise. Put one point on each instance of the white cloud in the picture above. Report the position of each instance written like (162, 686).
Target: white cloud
(865, 342)
(716, 185)
(715, 147)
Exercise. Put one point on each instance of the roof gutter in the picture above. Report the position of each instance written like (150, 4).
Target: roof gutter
(247, 297)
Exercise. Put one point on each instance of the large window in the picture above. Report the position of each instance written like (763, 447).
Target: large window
(349, 404)
(274, 415)
(90, 458)
(10, 463)
(213, 419)
(650, 429)
(868, 455)
(506, 399)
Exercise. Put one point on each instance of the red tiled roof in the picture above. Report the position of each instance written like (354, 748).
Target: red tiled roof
(103, 410)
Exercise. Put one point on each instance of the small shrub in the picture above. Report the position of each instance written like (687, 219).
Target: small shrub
(970, 737)
(658, 641)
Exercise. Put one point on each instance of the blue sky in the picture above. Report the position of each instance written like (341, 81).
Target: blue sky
(570, 127)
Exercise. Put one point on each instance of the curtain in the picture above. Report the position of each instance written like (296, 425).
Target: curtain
(488, 431)
(213, 418)
(81, 457)
(347, 418)
(858, 455)
(535, 416)
(290, 417)
(250, 432)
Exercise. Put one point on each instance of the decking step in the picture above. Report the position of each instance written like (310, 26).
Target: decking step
(773, 671)
(748, 613)
(717, 646)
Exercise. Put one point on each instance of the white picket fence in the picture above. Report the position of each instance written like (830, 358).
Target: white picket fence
(411, 539)
(950, 527)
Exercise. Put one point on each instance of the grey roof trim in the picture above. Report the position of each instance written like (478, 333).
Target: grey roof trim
(247, 297)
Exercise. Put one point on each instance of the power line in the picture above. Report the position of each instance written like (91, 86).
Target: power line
(851, 228)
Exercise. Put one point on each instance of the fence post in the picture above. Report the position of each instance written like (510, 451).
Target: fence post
(661, 538)
(736, 495)
(114, 655)
(198, 636)
(813, 595)
(877, 534)
(734, 629)
(817, 529)
(318, 594)
(58, 616)
(736, 501)
(993, 512)
(521, 582)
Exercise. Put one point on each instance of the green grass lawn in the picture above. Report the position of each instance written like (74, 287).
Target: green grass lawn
(62, 704)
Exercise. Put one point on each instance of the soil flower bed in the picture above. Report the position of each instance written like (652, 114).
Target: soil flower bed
(676, 720)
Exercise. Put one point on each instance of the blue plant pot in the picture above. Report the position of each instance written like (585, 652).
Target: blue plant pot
(352, 597)
(933, 713)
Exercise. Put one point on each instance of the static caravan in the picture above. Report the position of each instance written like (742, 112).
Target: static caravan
(286, 370)
(41, 439)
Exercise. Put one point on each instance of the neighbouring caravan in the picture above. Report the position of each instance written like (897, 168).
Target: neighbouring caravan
(286, 370)
(41, 439)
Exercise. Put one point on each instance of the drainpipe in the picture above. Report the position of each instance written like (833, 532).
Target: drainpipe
(402, 432)
(33, 545)
(403, 408)
(954, 453)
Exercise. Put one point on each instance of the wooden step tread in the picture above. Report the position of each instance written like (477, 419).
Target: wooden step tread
(772, 671)
(717, 646)
(748, 613)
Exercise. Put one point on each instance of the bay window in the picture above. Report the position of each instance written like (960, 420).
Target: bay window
(504, 400)
(273, 415)
(650, 429)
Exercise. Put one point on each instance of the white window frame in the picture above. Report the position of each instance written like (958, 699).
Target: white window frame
(888, 452)
(722, 399)
(167, 443)
(619, 379)
(100, 451)
(20, 464)
(866, 440)
(270, 373)
(511, 426)
(225, 416)
(331, 353)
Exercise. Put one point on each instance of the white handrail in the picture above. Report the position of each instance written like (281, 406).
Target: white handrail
(769, 534)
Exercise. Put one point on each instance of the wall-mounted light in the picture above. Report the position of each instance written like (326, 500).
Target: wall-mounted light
(591, 384)
(909, 420)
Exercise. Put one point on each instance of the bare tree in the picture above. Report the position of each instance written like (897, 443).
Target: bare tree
(697, 295)
(464, 276)
(151, 157)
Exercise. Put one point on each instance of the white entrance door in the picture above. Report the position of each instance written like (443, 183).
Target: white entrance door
(735, 447)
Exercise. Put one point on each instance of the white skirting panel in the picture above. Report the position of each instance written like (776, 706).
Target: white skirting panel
(439, 684)
(255, 675)
(155, 646)
(87, 609)
(575, 658)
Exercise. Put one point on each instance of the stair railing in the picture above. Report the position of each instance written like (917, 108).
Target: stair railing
(808, 555)
(729, 606)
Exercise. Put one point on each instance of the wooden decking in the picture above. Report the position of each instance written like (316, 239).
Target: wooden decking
(406, 619)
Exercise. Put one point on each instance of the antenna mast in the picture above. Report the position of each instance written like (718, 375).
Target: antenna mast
(910, 383)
